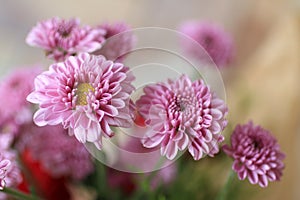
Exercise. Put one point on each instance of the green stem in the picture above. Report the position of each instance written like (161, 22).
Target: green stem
(145, 185)
(18, 194)
(226, 188)
(101, 178)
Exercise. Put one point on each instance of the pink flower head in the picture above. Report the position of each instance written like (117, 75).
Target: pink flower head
(256, 154)
(61, 38)
(60, 154)
(120, 43)
(183, 114)
(15, 88)
(4, 167)
(9, 169)
(215, 41)
(10, 174)
(87, 94)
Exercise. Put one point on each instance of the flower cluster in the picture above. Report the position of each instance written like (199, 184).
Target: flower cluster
(18, 136)
(85, 96)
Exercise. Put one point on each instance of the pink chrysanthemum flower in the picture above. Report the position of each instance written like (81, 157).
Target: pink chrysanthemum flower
(13, 175)
(256, 154)
(10, 174)
(60, 154)
(15, 88)
(215, 41)
(87, 94)
(183, 114)
(61, 38)
(4, 167)
(118, 46)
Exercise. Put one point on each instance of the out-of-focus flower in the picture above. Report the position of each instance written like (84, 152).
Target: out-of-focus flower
(164, 176)
(183, 114)
(119, 41)
(87, 94)
(256, 154)
(60, 154)
(61, 38)
(15, 88)
(215, 41)
(114, 29)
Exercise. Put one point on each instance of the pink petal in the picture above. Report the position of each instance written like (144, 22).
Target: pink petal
(153, 141)
(80, 134)
(170, 150)
(38, 118)
(253, 177)
(263, 181)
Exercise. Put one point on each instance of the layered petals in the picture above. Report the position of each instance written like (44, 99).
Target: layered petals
(86, 94)
(61, 38)
(182, 115)
(256, 154)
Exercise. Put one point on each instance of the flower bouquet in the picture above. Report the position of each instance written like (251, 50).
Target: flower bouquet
(124, 113)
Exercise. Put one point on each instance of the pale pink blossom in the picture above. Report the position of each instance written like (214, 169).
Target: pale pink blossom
(119, 41)
(61, 38)
(183, 114)
(212, 38)
(87, 94)
(15, 110)
(256, 154)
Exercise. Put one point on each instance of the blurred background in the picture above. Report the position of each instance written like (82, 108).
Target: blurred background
(262, 83)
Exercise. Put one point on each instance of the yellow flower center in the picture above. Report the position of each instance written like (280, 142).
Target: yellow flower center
(82, 91)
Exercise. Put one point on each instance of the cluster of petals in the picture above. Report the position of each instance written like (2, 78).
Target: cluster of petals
(182, 114)
(61, 38)
(87, 94)
(256, 154)
(60, 154)
(212, 38)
